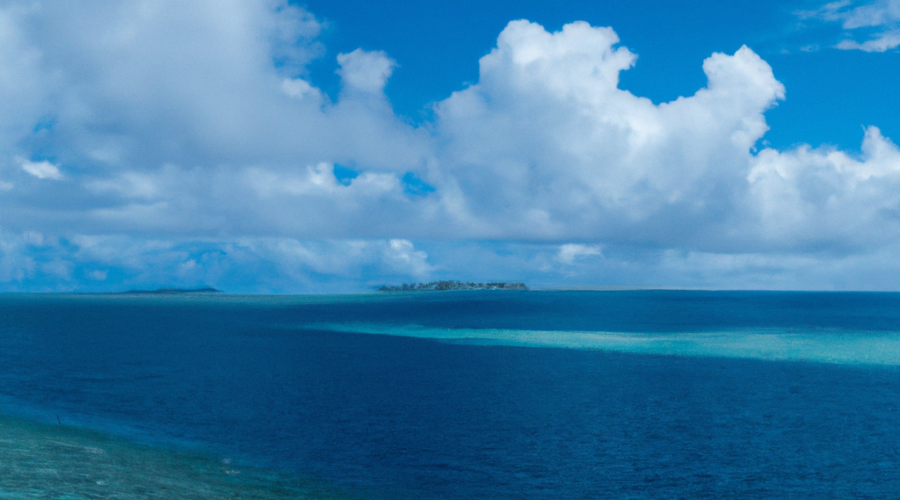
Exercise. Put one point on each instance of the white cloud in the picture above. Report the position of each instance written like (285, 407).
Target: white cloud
(546, 145)
(881, 43)
(878, 13)
(300, 89)
(363, 71)
(879, 18)
(290, 24)
(41, 169)
(570, 251)
(200, 83)
(194, 142)
(408, 259)
(320, 180)
(807, 198)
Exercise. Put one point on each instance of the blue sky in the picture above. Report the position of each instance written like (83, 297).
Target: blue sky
(833, 93)
(265, 146)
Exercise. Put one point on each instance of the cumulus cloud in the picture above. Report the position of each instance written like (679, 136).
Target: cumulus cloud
(164, 111)
(171, 83)
(807, 198)
(408, 259)
(547, 145)
(196, 148)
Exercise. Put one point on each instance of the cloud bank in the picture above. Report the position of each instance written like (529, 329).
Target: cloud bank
(175, 144)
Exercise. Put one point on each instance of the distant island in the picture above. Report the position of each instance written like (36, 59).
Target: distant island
(173, 291)
(441, 286)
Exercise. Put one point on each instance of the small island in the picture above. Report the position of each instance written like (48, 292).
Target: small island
(441, 286)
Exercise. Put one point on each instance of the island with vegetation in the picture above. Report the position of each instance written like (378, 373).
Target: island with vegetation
(440, 286)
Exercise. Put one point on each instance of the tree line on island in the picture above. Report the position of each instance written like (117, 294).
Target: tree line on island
(440, 286)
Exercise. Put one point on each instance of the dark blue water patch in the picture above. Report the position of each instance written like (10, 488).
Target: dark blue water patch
(644, 311)
(621, 311)
(414, 418)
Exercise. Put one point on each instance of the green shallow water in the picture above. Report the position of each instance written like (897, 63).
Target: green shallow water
(40, 461)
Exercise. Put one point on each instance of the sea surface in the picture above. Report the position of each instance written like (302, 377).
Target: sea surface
(451, 395)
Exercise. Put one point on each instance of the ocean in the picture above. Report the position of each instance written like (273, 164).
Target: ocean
(451, 395)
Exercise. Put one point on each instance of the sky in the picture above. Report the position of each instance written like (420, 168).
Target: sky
(267, 146)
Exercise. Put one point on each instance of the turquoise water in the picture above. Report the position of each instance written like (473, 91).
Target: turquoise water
(451, 395)
(847, 348)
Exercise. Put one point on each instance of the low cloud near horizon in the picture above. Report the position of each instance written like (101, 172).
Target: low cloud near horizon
(147, 145)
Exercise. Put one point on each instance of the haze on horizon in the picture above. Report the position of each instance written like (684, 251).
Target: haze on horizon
(268, 146)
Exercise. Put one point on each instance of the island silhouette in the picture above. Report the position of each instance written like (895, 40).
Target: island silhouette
(440, 286)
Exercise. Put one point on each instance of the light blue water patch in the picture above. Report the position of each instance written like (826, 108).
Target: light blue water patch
(838, 347)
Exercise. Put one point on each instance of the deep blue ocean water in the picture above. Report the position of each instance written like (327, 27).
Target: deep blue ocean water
(625, 394)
